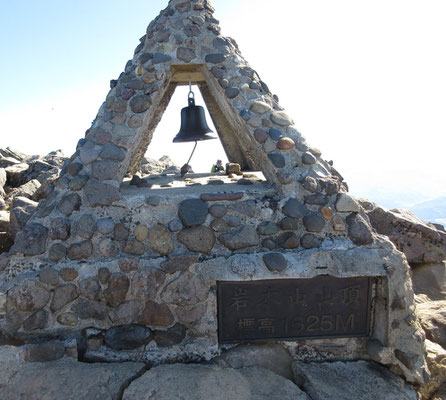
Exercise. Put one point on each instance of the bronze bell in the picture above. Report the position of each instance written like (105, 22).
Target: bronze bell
(193, 123)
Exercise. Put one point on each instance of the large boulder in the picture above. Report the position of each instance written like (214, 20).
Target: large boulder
(430, 280)
(436, 361)
(421, 242)
(62, 379)
(16, 174)
(432, 315)
(204, 382)
(27, 190)
(351, 380)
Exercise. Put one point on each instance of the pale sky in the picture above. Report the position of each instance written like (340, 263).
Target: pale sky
(364, 81)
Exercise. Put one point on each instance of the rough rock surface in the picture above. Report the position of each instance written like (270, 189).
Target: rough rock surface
(421, 242)
(204, 382)
(432, 316)
(430, 280)
(351, 380)
(62, 379)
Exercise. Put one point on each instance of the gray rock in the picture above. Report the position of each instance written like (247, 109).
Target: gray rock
(288, 240)
(127, 337)
(277, 159)
(241, 238)
(260, 135)
(419, 241)
(346, 203)
(294, 209)
(120, 232)
(63, 295)
(218, 210)
(232, 92)
(101, 194)
(247, 384)
(116, 292)
(267, 228)
(247, 208)
(112, 152)
(105, 170)
(281, 118)
(27, 190)
(175, 225)
(432, 316)
(74, 168)
(193, 212)
(49, 276)
(160, 240)
(78, 182)
(185, 54)
(314, 223)
(275, 261)
(260, 107)
(289, 224)
(309, 241)
(215, 58)
(85, 226)
(44, 352)
(359, 230)
(90, 288)
(430, 280)
(162, 36)
(156, 314)
(63, 379)
(171, 336)
(159, 58)
(105, 225)
(69, 203)
(310, 184)
(317, 199)
(31, 241)
(199, 238)
(178, 263)
(86, 309)
(140, 103)
(37, 320)
(16, 174)
(21, 211)
(134, 247)
(134, 84)
(183, 7)
(30, 296)
(2, 177)
(4, 221)
(275, 134)
(153, 200)
(80, 250)
(57, 251)
(127, 313)
(87, 155)
(308, 158)
(333, 380)
(108, 248)
(186, 290)
(219, 225)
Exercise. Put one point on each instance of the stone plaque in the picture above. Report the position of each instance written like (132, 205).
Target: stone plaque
(289, 309)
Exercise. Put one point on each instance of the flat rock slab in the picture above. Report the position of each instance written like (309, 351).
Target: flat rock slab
(205, 382)
(358, 380)
(63, 379)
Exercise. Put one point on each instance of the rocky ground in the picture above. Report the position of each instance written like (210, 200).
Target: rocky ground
(244, 372)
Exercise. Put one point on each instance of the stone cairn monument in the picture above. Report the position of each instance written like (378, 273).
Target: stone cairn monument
(112, 272)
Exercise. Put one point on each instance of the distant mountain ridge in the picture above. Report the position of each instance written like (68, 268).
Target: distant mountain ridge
(431, 210)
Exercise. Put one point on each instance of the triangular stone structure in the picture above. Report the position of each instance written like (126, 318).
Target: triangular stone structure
(92, 257)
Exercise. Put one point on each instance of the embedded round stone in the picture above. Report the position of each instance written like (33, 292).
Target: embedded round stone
(156, 314)
(260, 107)
(310, 241)
(105, 170)
(338, 223)
(358, 230)
(74, 168)
(104, 275)
(215, 58)
(289, 224)
(105, 225)
(185, 54)
(78, 182)
(219, 225)
(178, 263)
(67, 319)
(346, 203)
(275, 261)
(86, 309)
(294, 209)
(281, 118)
(112, 152)
(107, 247)
(149, 78)
(57, 251)
(85, 226)
(49, 276)
(68, 274)
(218, 210)
(38, 320)
(260, 135)
(232, 92)
(140, 103)
(135, 121)
(314, 223)
(120, 232)
(288, 240)
(31, 241)
(269, 243)
(327, 213)
(285, 144)
(128, 265)
(102, 137)
(116, 292)
(153, 200)
(101, 194)
(141, 232)
(193, 212)
(310, 184)
(308, 158)
(317, 199)
(71, 202)
(87, 155)
(275, 134)
(80, 251)
(160, 240)
(29, 296)
(267, 228)
(134, 247)
(277, 159)
(224, 83)
(175, 225)
(200, 239)
(63, 295)
(127, 337)
(284, 177)
(159, 58)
